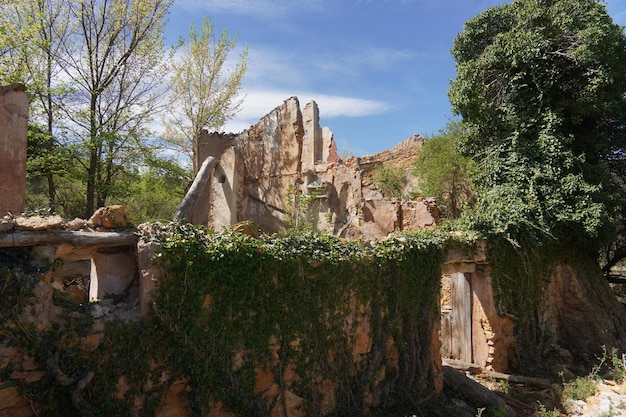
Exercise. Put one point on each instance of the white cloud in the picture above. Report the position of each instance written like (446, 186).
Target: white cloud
(377, 59)
(258, 103)
(251, 7)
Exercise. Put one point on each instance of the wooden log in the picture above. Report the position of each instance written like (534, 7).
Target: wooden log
(472, 391)
(463, 366)
(190, 199)
(516, 404)
(519, 379)
(56, 237)
(514, 379)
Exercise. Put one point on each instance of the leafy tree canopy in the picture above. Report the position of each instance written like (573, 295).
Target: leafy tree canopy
(203, 88)
(443, 172)
(541, 85)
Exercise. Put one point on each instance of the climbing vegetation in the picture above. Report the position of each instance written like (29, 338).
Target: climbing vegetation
(229, 307)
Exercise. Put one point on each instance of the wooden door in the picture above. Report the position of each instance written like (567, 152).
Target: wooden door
(456, 325)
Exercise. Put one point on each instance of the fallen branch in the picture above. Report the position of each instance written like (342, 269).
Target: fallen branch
(514, 379)
(518, 379)
(472, 391)
(463, 366)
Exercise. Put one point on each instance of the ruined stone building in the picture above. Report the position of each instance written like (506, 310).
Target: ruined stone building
(255, 176)
(287, 157)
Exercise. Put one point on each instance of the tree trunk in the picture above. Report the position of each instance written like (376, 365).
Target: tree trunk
(583, 311)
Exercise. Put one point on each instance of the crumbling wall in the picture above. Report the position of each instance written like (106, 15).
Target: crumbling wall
(289, 152)
(59, 354)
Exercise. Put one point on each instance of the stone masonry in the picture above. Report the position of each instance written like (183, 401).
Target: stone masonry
(13, 140)
(288, 153)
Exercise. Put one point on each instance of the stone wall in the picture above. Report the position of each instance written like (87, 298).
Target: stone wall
(122, 266)
(287, 152)
(13, 140)
(472, 330)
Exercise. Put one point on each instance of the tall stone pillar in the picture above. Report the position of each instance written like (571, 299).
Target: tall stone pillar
(13, 143)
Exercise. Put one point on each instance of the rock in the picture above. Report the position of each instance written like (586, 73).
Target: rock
(28, 377)
(97, 311)
(219, 410)
(574, 407)
(9, 397)
(77, 224)
(76, 294)
(91, 342)
(289, 405)
(264, 381)
(111, 217)
(39, 222)
(122, 387)
(8, 355)
(328, 394)
(41, 312)
(175, 403)
(247, 228)
(6, 225)
(28, 363)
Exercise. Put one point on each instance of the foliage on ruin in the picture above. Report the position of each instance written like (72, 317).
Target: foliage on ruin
(303, 210)
(391, 180)
(444, 173)
(282, 301)
(541, 86)
(229, 304)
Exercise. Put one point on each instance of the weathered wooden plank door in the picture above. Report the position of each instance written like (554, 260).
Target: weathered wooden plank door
(457, 320)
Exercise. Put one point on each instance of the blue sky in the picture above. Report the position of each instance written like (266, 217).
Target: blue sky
(378, 69)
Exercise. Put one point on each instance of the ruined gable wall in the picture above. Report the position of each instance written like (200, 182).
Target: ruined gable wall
(270, 152)
(288, 151)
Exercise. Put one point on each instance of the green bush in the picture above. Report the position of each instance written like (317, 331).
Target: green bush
(391, 180)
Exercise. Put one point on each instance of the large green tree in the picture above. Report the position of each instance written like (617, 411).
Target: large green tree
(203, 87)
(443, 172)
(114, 58)
(541, 84)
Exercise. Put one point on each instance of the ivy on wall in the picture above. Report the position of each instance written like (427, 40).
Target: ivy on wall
(291, 300)
(229, 305)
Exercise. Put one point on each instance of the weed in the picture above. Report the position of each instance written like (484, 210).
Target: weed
(544, 412)
(580, 388)
(504, 386)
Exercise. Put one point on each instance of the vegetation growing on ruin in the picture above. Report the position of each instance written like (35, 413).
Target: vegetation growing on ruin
(229, 305)
(283, 301)
(391, 180)
(444, 173)
(540, 89)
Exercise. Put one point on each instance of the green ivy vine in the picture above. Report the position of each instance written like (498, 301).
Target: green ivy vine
(282, 301)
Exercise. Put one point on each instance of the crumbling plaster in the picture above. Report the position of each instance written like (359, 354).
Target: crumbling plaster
(289, 150)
